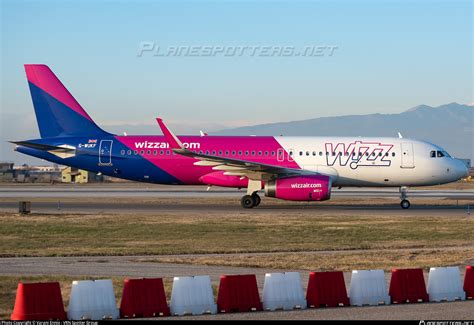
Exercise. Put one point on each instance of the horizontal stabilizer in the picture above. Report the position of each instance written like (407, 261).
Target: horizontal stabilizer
(62, 151)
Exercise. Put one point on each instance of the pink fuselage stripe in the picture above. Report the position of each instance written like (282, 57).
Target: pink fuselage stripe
(183, 168)
(42, 77)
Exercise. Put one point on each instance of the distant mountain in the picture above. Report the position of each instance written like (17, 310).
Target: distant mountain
(451, 126)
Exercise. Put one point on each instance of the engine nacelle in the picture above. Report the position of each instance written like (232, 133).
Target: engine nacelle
(300, 188)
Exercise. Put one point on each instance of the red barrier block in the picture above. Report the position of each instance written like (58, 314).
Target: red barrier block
(326, 289)
(238, 293)
(469, 282)
(407, 286)
(38, 301)
(143, 298)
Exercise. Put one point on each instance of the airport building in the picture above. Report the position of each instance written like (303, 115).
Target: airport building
(47, 174)
(7, 174)
(79, 176)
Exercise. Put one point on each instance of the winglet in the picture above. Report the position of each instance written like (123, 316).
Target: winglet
(170, 137)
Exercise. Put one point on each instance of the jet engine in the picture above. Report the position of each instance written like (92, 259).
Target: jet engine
(300, 188)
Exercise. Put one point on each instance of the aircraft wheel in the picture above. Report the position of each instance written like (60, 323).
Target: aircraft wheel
(256, 199)
(247, 202)
(405, 204)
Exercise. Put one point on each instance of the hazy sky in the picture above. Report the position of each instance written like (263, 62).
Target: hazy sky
(388, 57)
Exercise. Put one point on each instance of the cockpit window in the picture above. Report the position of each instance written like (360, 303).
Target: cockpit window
(439, 154)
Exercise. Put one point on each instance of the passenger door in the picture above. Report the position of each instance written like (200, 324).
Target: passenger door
(408, 158)
(105, 153)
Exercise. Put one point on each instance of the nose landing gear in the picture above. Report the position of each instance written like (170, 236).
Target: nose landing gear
(405, 204)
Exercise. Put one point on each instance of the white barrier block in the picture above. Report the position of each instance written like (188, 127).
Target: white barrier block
(92, 299)
(444, 283)
(192, 295)
(283, 291)
(368, 287)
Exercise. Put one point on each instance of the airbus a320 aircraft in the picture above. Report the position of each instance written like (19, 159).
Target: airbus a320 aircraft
(287, 168)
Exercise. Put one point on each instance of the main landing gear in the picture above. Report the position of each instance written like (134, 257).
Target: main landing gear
(252, 199)
(405, 204)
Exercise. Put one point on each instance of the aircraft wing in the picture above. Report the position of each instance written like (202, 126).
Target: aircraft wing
(230, 166)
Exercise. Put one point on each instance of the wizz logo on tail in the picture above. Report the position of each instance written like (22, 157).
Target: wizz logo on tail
(358, 153)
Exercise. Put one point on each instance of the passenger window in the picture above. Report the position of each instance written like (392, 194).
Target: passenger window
(122, 152)
(273, 153)
(266, 153)
(129, 152)
(433, 154)
(233, 153)
(246, 153)
(307, 153)
(320, 153)
(155, 152)
(393, 154)
(301, 153)
(240, 153)
(314, 153)
(253, 153)
(207, 152)
(148, 152)
(220, 152)
(167, 152)
(227, 153)
(142, 152)
(259, 153)
(213, 152)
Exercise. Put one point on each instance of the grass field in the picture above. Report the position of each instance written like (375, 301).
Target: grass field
(236, 232)
(306, 239)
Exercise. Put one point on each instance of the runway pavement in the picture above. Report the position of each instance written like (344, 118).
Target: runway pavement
(126, 190)
(134, 199)
(144, 198)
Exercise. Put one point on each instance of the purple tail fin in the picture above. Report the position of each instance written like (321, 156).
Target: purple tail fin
(57, 112)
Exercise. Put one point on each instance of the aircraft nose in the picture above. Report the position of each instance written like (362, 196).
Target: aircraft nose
(466, 171)
(462, 168)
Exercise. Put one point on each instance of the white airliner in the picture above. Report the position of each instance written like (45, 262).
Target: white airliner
(288, 168)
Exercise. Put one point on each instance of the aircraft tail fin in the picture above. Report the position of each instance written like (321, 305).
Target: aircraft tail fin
(57, 111)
